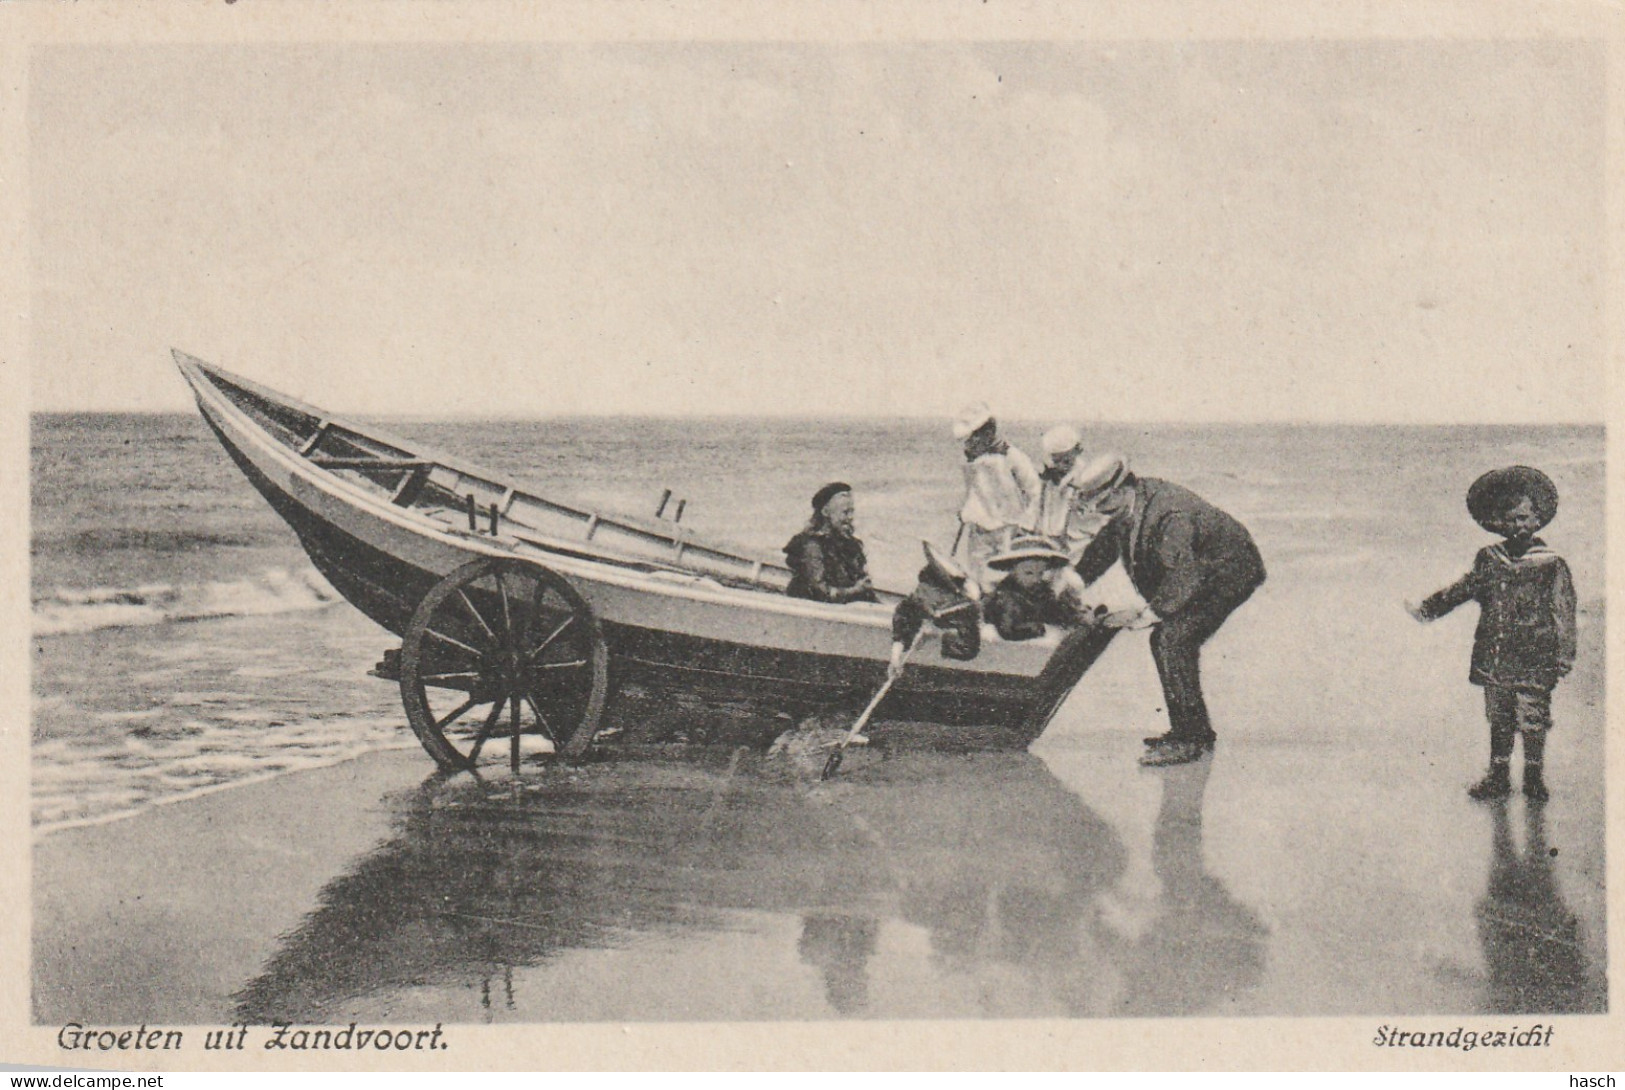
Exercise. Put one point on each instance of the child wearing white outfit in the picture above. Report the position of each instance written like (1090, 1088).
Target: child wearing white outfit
(1002, 491)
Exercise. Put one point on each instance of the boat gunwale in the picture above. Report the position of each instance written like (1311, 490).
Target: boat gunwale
(702, 589)
(471, 469)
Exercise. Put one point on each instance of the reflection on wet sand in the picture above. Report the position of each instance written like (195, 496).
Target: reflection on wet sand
(1531, 938)
(988, 858)
(841, 947)
(1202, 946)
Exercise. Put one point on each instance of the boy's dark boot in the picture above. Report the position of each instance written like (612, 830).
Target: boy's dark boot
(1497, 782)
(1534, 782)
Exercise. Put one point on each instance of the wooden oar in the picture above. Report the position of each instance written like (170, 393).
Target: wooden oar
(834, 761)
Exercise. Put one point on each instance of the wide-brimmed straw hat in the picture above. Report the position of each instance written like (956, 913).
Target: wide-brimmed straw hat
(1096, 477)
(1487, 499)
(1029, 548)
(970, 418)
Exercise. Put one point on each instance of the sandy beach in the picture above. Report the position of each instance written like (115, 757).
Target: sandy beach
(1303, 870)
(164, 916)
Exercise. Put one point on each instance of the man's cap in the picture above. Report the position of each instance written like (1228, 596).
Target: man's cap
(829, 492)
(1491, 494)
(1098, 476)
(970, 418)
(1029, 548)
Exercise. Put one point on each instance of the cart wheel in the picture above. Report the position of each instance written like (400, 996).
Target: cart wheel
(502, 655)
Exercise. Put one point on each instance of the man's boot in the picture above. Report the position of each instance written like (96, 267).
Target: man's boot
(1177, 752)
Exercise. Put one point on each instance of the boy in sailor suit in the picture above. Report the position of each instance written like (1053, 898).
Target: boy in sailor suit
(1526, 632)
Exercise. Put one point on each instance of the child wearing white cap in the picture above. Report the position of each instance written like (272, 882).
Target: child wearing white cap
(1002, 490)
(1059, 517)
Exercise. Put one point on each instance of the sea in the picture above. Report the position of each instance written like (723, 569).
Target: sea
(183, 643)
(1324, 860)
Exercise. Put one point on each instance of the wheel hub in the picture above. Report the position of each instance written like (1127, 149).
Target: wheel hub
(513, 671)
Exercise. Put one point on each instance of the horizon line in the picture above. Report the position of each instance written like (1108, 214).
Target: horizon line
(475, 417)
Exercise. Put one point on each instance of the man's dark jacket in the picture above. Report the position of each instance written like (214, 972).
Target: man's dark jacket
(1177, 548)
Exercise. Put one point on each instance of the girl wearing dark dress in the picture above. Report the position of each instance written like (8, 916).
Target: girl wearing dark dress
(826, 559)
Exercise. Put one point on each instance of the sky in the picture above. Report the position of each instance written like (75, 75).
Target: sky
(1367, 231)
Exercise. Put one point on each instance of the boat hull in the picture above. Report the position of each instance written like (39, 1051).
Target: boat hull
(666, 632)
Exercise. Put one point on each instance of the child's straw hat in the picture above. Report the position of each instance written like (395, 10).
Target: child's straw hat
(1488, 498)
(1029, 548)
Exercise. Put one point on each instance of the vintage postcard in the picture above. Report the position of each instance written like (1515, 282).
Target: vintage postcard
(797, 537)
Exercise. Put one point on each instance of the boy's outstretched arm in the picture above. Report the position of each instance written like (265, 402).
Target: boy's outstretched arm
(1438, 604)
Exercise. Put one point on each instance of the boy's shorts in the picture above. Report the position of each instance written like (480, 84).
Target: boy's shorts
(1525, 709)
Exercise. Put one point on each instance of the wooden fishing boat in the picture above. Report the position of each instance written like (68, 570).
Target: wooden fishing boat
(522, 617)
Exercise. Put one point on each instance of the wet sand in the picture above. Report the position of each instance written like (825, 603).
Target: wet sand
(162, 917)
(1325, 861)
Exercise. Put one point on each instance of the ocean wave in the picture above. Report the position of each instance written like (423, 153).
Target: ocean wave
(76, 785)
(64, 611)
(142, 539)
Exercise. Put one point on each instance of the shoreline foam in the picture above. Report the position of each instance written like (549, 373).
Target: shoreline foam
(67, 611)
(41, 830)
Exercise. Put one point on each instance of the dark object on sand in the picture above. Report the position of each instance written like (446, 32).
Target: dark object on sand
(523, 629)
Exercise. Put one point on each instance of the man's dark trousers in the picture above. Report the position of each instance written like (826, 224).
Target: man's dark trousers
(1176, 645)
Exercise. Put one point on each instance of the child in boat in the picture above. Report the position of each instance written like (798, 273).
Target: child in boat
(826, 559)
(1059, 517)
(1029, 597)
(945, 596)
(1526, 634)
(1002, 491)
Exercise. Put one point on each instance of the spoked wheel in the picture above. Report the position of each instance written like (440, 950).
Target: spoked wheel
(502, 659)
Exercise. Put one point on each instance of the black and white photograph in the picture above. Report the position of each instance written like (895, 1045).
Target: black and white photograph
(988, 538)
